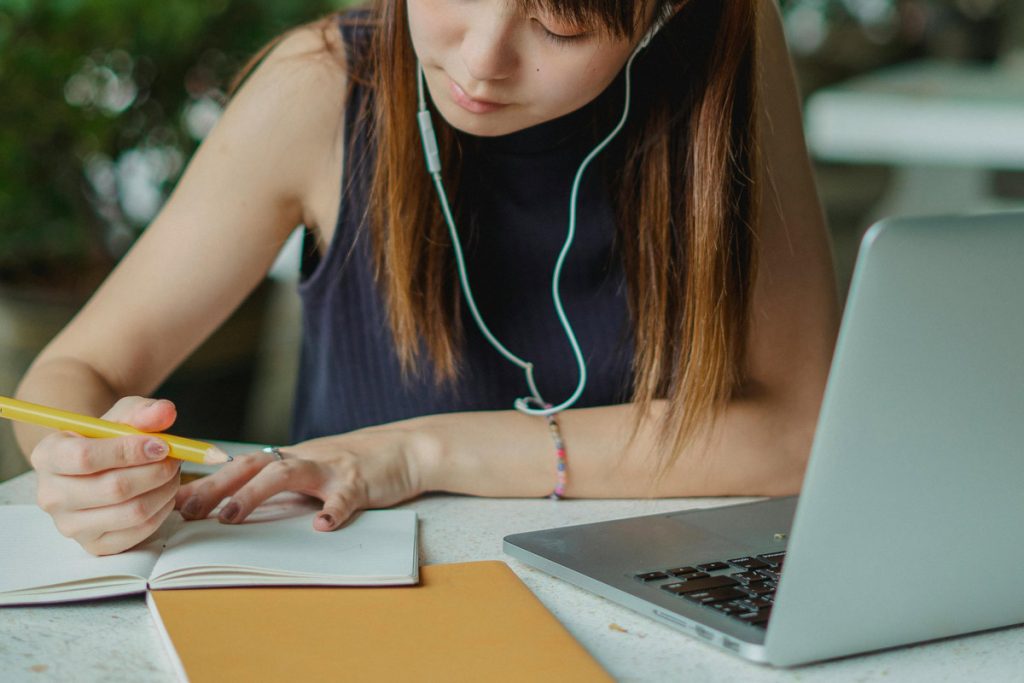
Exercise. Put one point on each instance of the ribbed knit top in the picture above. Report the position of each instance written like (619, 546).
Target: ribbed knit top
(512, 212)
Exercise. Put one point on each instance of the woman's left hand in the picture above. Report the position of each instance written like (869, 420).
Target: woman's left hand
(370, 468)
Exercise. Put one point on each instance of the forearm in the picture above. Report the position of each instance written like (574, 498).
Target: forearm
(63, 383)
(758, 447)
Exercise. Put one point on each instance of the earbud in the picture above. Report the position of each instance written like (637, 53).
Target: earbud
(664, 14)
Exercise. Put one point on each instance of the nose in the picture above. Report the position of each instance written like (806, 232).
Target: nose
(488, 51)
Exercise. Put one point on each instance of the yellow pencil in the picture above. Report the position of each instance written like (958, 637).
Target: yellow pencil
(93, 427)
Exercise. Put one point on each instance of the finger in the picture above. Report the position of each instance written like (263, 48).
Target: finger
(198, 498)
(127, 515)
(71, 454)
(105, 488)
(41, 455)
(145, 414)
(117, 541)
(95, 522)
(336, 511)
(294, 474)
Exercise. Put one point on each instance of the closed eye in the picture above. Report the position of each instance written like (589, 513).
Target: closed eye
(562, 38)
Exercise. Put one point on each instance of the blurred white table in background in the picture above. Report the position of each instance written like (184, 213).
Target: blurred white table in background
(944, 126)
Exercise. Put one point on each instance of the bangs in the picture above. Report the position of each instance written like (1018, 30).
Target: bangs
(618, 18)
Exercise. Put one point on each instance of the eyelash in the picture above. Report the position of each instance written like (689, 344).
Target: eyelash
(559, 39)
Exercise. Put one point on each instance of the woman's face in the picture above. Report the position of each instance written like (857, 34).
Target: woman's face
(492, 70)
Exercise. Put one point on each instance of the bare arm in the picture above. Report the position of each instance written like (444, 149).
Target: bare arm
(243, 192)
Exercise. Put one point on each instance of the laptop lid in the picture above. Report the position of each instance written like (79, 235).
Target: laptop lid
(908, 526)
(910, 523)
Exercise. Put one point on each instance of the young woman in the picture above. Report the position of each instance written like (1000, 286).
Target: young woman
(699, 283)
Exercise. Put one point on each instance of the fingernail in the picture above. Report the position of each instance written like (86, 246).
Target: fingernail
(328, 519)
(156, 449)
(229, 512)
(190, 510)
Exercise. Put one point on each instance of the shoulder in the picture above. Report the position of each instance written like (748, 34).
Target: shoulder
(305, 70)
(303, 76)
(313, 53)
(287, 116)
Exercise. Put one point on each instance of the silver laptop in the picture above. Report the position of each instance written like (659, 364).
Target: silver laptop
(910, 522)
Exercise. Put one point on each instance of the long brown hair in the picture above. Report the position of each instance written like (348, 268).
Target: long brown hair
(686, 206)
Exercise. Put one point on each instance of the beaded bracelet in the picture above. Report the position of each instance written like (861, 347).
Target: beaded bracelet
(560, 460)
(561, 476)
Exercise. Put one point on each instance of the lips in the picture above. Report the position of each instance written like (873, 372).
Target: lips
(470, 104)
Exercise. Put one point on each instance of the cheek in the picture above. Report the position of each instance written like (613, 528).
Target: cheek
(567, 84)
(429, 26)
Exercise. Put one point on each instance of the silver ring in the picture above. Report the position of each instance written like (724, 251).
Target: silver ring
(274, 451)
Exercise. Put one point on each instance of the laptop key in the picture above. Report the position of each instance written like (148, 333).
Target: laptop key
(725, 608)
(689, 576)
(712, 566)
(652, 576)
(748, 563)
(759, 617)
(696, 585)
(681, 571)
(714, 596)
(748, 577)
(758, 590)
(774, 559)
(754, 604)
(770, 574)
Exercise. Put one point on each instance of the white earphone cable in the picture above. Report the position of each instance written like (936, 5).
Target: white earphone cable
(433, 158)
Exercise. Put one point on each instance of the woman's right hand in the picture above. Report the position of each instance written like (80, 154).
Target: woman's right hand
(110, 494)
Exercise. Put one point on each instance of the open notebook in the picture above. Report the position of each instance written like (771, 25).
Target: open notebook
(276, 546)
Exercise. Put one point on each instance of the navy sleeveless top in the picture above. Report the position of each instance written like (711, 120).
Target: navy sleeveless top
(512, 212)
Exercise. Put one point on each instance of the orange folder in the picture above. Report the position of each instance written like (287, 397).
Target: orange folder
(473, 621)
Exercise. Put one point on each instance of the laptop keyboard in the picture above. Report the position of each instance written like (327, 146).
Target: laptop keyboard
(742, 588)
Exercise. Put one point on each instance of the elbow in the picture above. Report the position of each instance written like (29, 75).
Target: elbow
(792, 443)
(776, 445)
(793, 467)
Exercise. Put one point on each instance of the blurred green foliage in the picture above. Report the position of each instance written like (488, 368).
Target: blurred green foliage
(103, 101)
(101, 104)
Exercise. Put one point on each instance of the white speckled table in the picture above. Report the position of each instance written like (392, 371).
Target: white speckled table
(114, 640)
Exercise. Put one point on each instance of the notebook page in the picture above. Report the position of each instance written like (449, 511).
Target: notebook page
(38, 564)
(378, 547)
